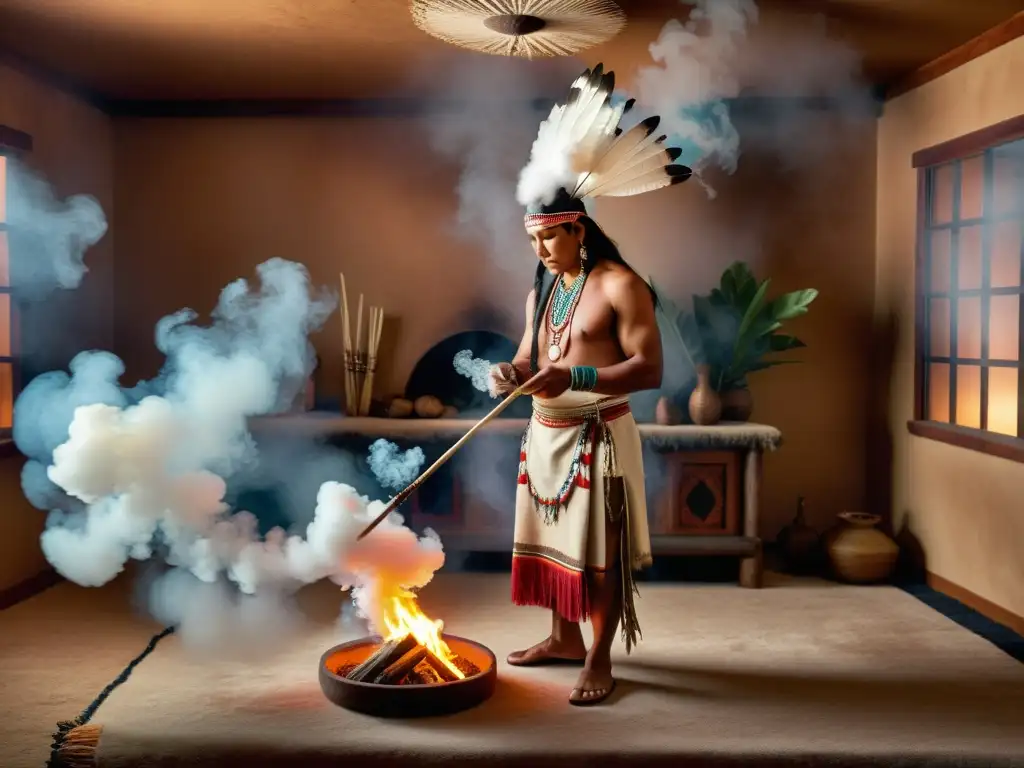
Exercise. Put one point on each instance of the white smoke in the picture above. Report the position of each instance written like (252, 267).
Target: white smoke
(392, 468)
(697, 69)
(488, 133)
(142, 474)
(700, 65)
(48, 237)
(475, 369)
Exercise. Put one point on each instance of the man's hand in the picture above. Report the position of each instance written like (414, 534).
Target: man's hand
(550, 382)
(501, 379)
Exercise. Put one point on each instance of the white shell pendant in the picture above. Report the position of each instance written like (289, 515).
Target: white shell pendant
(554, 352)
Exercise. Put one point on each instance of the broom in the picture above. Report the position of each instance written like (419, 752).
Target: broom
(405, 494)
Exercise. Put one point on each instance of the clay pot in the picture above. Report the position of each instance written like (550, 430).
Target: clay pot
(666, 413)
(737, 404)
(859, 552)
(799, 543)
(705, 404)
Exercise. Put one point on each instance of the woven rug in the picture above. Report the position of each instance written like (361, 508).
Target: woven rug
(799, 673)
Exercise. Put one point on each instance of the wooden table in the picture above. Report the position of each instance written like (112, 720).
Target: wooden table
(703, 483)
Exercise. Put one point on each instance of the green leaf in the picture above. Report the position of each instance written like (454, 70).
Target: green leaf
(753, 309)
(729, 286)
(793, 304)
(718, 298)
(779, 342)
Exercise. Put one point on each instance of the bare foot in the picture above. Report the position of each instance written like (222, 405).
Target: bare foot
(549, 651)
(594, 685)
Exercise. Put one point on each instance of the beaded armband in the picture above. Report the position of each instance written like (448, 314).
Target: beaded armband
(582, 378)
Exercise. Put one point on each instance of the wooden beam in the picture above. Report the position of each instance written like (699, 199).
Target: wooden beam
(987, 41)
(740, 107)
(990, 443)
(30, 587)
(12, 138)
(969, 144)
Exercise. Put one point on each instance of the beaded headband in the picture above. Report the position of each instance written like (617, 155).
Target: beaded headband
(551, 219)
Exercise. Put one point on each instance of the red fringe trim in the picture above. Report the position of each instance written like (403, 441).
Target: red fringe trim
(540, 582)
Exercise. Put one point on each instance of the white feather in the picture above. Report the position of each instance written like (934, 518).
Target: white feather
(637, 185)
(569, 141)
(577, 149)
(628, 148)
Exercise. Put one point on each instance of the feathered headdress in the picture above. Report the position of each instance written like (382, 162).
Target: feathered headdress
(580, 151)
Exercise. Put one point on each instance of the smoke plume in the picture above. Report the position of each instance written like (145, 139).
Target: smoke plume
(142, 473)
(475, 369)
(48, 237)
(392, 468)
(701, 64)
(487, 132)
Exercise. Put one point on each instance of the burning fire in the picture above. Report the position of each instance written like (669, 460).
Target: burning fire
(403, 617)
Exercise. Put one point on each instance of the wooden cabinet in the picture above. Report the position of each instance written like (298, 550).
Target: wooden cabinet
(702, 496)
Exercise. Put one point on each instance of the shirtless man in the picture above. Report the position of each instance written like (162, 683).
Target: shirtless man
(591, 340)
(575, 567)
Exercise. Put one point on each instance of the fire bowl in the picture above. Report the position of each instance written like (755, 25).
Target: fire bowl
(407, 700)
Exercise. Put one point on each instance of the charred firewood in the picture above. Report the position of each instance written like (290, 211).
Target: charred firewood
(425, 674)
(385, 655)
(399, 669)
(446, 675)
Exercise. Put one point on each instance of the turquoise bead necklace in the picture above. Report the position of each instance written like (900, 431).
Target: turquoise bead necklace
(563, 304)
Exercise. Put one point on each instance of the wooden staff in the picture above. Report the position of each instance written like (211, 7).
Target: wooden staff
(405, 494)
(373, 331)
(350, 383)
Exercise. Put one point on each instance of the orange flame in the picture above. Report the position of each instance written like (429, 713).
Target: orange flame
(402, 616)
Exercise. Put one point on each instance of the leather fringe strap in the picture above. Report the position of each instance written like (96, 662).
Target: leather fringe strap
(75, 741)
(631, 632)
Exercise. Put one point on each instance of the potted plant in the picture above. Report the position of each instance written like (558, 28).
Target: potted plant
(732, 331)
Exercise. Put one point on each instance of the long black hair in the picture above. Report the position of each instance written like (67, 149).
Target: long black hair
(599, 247)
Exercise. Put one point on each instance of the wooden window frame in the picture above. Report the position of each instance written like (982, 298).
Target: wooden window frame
(991, 443)
(13, 143)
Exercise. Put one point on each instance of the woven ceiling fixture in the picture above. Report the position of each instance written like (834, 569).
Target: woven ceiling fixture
(527, 28)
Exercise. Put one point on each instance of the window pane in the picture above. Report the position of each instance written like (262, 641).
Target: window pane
(942, 195)
(1002, 400)
(938, 392)
(968, 327)
(6, 395)
(969, 257)
(3, 189)
(968, 395)
(1006, 177)
(938, 324)
(5, 261)
(940, 279)
(972, 186)
(5, 325)
(1003, 327)
(1006, 254)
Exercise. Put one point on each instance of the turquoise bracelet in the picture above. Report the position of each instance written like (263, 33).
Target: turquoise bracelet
(582, 378)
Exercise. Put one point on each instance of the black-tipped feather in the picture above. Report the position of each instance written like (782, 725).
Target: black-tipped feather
(678, 173)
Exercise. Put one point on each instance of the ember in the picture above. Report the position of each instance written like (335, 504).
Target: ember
(407, 661)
